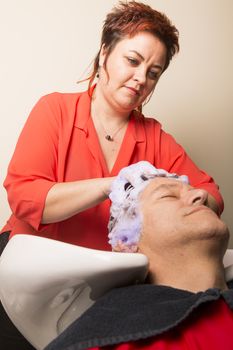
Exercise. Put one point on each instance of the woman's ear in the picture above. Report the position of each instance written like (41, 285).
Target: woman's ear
(102, 56)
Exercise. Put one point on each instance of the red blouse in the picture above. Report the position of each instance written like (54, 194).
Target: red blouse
(210, 328)
(59, 144)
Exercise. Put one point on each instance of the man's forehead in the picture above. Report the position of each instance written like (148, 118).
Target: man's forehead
(159, 183)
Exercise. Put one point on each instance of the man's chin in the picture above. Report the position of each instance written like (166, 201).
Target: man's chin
(220, 233)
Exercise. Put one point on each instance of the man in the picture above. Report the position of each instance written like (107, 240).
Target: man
(187, 303)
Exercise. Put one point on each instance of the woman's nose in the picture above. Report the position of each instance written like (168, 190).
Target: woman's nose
(197, 196)
(140, 76)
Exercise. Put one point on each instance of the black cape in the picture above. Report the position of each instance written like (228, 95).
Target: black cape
(132, 313)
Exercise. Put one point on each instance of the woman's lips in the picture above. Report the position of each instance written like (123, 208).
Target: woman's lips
(132, 90)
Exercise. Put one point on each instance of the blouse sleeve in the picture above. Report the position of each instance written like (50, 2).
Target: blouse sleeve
(173, 158)
(33, 168)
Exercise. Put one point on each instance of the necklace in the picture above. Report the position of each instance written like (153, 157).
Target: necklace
(109, 137)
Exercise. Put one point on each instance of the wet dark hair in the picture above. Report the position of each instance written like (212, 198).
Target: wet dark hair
(129, 18)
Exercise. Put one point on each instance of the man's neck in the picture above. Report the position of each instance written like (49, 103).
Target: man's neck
(194, 275)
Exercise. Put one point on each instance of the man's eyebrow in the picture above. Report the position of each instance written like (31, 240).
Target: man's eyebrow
(142, 58)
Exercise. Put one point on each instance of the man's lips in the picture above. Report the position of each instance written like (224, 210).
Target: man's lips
(199, 208)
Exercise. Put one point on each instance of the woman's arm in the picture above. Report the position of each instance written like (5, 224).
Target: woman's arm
(176, 160)
(67, 199)
(36, 191)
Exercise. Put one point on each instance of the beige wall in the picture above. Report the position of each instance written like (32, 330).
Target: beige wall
(46, 45)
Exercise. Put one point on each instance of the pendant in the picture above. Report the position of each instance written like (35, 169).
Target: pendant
(109, 138)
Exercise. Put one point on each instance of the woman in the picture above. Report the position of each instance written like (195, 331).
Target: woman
(73, 144)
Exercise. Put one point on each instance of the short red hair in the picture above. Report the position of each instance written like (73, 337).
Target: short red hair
(129, 18)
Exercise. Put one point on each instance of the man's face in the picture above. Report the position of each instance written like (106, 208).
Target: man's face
(175, 214)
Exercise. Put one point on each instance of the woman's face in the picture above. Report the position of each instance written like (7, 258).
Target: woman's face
(132, 71)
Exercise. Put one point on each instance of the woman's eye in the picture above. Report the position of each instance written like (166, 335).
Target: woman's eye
(132, 61)
(153, 75)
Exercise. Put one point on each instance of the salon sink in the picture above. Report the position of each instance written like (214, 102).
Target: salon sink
(46, 284)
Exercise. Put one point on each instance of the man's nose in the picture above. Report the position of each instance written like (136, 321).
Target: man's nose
(197, 196)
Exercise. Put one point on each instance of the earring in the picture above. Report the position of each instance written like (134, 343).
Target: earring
(139, 109)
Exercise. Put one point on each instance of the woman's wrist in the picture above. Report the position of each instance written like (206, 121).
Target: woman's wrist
(107, 182)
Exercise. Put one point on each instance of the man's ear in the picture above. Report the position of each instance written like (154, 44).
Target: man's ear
(139, 250)
(124, 248)
(102, 56)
